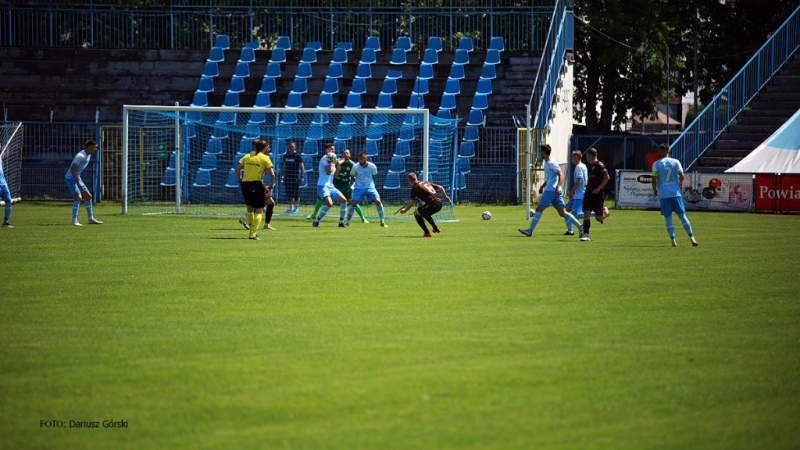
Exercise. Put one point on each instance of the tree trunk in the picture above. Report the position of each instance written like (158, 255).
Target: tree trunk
(592, 81)
(607, 109)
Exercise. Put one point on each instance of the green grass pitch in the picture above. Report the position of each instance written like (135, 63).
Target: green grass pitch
(378, 339)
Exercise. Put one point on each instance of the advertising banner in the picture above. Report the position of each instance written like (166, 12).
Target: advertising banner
(777, 193)
(700, 191)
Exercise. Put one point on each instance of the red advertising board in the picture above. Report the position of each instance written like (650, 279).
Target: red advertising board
(777, 193)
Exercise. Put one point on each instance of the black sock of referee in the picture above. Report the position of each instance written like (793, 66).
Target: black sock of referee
(421, 223)
(268, 216)
(430, 221)
(587, 223)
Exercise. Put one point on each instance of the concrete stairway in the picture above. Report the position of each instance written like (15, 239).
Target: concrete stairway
(774, 105)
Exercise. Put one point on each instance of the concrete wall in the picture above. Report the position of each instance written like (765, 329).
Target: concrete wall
(560, 125)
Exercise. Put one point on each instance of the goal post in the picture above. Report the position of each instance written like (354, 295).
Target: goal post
(11, 142)
(180, 160)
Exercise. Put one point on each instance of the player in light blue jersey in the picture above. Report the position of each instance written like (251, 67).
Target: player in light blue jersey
(5, 195)
(667, 179)
(551, 194)
(575, 203)
(75, 183)
(328, 169)
(363, 174)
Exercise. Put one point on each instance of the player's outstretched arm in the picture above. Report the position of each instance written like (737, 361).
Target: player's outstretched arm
(444, 194)
(238, 170)
(271, 178)
(655, 184)
(408, 206)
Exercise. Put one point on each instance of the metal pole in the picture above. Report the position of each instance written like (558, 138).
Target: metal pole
(527, 189)
(124, 160)
(178, 161)
(171, 27)
(694, 25)
(668, 95)
(426, 135)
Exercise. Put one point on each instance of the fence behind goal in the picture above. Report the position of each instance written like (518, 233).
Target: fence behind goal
(180, 160)
(11, 139)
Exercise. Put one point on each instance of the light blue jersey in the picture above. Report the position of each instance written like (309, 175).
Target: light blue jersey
(324, 178)
(551, 171)
(666, 170)
(583, 174)
(364, 175)
(81, 160)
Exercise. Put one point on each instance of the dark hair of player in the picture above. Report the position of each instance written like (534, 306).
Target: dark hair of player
(663, 147)
(577, 153)
(327, 146)
(545, 148)
(362, 153)
(259, 145)
(592, 151)
(89, 142)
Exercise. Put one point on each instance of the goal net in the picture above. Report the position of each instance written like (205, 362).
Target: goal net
(11, 136)
(180, 160)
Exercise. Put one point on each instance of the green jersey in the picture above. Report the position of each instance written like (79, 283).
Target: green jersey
(342, 181)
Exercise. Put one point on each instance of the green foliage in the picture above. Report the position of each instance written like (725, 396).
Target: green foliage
(376, 338)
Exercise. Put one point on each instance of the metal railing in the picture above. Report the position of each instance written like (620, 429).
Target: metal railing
(560, 37)
(176, 25)
(700, 135)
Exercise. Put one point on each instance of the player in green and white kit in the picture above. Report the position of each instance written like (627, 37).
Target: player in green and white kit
(342, 183)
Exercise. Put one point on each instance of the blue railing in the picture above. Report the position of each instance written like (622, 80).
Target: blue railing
(560, 37)
(700, 135)
(178, 26)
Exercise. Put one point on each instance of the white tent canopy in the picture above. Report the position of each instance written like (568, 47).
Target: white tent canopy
(780, 153)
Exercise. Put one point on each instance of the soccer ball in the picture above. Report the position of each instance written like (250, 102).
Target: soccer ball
(331, 158)
(486, 215)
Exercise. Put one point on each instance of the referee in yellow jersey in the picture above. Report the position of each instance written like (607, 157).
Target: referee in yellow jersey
(255, 193)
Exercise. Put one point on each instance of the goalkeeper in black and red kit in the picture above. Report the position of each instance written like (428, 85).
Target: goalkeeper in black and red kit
(426, 193)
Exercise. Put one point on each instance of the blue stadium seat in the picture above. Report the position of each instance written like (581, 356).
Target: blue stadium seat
(461, 182)
(237, 85)
(398, 56)
(202, 179)
(253, 45)
(214, 147)
(308, 161)
(248, 55)
(420, 87)
(384, 101)
(364, 71)
(394, 74)
(283, 131)
(359, 86)
(263, 100)
(257, 118)
(392, 181)
(435, 149)
(279, 146)
(462, 165)
(335, 71)
(268, 86)
(339, 146)
(222, 41)
(339, 56)
(251, 131)
(453, 86)
(245, 146)
(379, 119)
(315, 131)
(169, 177)
(209, 162)
(211, 69)
(431, 56)
(217, 55)
(368, 56)
(219, 133)
(284, 43)
(488, 72)
(226, 118)
(189, 130)
(171, 164)
(194, 116)
(443, 114)
(492, 57)
(416, 102)
(273, 70)
(412, 119)
(406, 134)
(231, 100)
(425, 71)
(471, 134)
(456, 72)
(331, 87)
(317, 46)
(310, 148)
(467, 150)
(465, 44)
(319, 119)
(402, 149)
(480, 101)
(375, 133)
(373, 43)
(309, 56)
(496, 43)
(353, 101)
(199, 99)
(389, 86)
(304, 70)
(462, 57)
(475, 117)
(294, 100)
(372, 148)
(398, 164)
(278, 55)
(433, 165)
(288, 118)
(325, 100)
(484, 87)
(435, 42)
(232, 181)
(403, 42)
(448, 101)
(300, 86)
(344, 132)
(345, 45)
